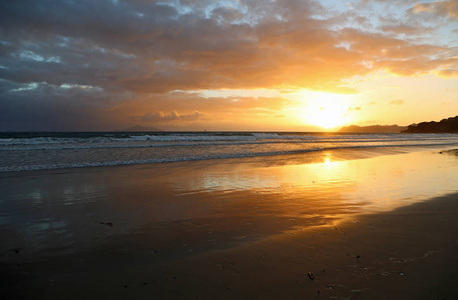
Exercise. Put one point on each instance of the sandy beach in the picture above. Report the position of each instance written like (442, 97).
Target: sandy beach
(330, 225)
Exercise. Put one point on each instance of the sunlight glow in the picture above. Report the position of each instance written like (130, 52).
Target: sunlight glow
(327, 110)
(327, 117)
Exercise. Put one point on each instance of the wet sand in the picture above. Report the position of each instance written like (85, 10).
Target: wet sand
(382, 227)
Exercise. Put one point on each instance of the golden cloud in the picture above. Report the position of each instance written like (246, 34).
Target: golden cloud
(438, 8)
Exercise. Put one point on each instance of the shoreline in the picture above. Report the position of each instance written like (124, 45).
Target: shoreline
(343, 153)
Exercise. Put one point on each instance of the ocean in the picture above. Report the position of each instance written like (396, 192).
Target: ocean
(45, 151)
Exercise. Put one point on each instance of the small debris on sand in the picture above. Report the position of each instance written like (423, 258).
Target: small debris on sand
(109, 224)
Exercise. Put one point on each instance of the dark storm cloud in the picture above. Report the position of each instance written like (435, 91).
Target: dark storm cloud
(44, 107)
(149, 47)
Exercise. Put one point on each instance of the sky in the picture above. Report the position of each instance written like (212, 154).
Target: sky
(235, 65)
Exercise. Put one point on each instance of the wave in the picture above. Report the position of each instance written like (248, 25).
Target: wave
(170, 140)
(215, 156)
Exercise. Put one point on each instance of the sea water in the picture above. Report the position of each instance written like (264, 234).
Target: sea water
(41, 151)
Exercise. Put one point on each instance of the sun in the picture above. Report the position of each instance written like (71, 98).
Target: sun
(327, 117)
(327, 110)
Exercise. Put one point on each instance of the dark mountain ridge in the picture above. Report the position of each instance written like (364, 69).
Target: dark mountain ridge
(449, 125)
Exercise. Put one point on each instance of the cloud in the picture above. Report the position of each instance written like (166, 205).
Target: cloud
(449, 73)
(356, 108)
(406, 29)
(149, 47)
(127, 57)
(396, 102)
(399, 56)
(447, 9)
(41, 107)
(173, 116)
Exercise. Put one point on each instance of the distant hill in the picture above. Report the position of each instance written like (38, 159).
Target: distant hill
(449, 125)
(374, 128)
(141, 128)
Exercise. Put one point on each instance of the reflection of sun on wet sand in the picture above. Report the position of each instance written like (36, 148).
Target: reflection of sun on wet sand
(293, 227)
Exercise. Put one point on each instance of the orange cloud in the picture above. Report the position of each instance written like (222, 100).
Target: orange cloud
(396, 102)
(196, 107)
(399, 56)
(159, 117)
(406, 29)
(282, 45)
(448, 73)
(438, 8)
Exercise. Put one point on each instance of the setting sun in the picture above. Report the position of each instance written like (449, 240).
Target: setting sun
(327, 110)
(327, 117)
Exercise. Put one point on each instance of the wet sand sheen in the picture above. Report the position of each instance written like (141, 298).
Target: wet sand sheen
(409, 253)
(234, 229)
